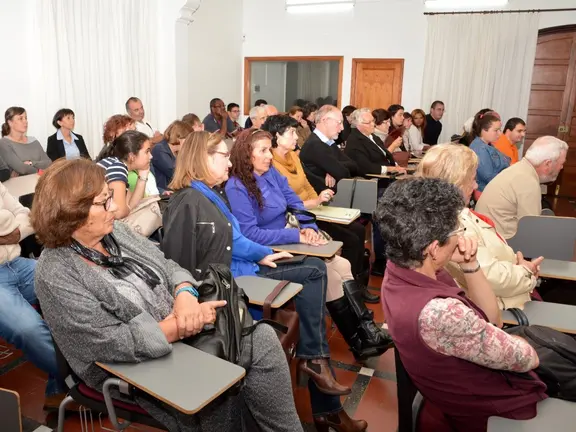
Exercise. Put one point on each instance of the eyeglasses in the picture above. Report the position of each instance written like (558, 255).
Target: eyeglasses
(457, 232)
(225, 154)
(368, 122)
(107, 202)
(333, 119)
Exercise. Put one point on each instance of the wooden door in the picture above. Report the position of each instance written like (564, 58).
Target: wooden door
(376, 83)
(552, 106)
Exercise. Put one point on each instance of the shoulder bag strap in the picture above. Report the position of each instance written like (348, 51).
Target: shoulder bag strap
(311, 217)
(520, 316)
(354, 180)
(267, 307)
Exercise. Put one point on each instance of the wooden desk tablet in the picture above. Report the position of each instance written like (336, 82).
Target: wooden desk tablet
(557, 316)
(338, 215)
(258, 288)
(554, 415)
(325, 251)
(388, 176)
(22, 185)
(10, 415)
(556, 269)
(187, 379)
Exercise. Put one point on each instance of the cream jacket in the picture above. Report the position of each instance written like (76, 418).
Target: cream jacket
(12, 215)
(512, 283)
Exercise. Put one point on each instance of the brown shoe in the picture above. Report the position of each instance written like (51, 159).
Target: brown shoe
(319, 371)
(340, 422)
(52, 403)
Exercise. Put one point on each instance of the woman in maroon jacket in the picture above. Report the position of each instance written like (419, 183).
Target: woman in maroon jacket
(450, 344)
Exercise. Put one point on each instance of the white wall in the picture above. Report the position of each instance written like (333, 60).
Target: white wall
(215, 47)
(375, 29)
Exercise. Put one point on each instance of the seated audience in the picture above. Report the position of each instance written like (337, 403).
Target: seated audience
(270, 110)
(511, 138)
(113, 128)
(515, 192)
(21, 154)
(344, 133)
(397, 129)
(382, 127)
(324, 163)
(199, 218)
(164, 154)
(371, 157)
(450, 342)
(65, 143)
(259, 102)
(258, 116)
(433, 125)
(286, 161)
(309, 114)
(135, 110)
(134, 303)
(490, 161)
(194, 121)
(20, 324)
(511, 277)
(218, 120)
(302, 129)
(416, 130)
(233, 110)
(129, 152)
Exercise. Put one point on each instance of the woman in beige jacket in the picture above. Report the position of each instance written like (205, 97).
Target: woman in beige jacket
(512, 277)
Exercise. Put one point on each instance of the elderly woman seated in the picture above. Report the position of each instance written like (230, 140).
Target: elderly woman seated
(512, 277)
(110, 295)
(450, 342)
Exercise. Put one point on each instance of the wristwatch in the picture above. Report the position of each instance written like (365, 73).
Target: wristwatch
(470, 271)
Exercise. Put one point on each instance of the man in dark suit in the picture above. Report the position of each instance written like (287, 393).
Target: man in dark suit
(371, 157)
(324, 163)
(433, 126)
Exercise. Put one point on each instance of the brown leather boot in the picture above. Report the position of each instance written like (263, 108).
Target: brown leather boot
(339, 422)
(319, 372)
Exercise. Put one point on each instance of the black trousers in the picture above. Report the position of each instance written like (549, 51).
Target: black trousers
(352, 236)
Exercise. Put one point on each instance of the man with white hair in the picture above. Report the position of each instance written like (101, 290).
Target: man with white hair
(258, 116)
(515, 192)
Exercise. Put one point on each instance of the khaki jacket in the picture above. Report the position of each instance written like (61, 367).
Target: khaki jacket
(512, 283)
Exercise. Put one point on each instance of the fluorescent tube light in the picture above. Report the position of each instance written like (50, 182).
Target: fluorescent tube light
(464, 4)
(320, 8)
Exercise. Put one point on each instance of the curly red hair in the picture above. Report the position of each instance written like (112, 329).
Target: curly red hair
(241, 159)
(113, 125)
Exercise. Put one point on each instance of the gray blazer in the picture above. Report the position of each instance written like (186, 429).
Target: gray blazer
(90, 321)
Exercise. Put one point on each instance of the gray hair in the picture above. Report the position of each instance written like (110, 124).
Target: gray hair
(356, 116)
(545, 148)
(254, 111)
(323, 112)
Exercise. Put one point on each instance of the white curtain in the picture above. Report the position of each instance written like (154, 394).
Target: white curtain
(313, 80)
(479, 61)
(93, 55)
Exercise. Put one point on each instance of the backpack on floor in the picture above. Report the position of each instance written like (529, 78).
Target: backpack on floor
(557, 354)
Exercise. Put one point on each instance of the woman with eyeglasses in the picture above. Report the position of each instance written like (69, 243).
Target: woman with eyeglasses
(200, 229)
(513, 279)
(450, 342)
(109, 295)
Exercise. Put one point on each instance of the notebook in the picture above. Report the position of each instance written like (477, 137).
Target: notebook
(340, 214)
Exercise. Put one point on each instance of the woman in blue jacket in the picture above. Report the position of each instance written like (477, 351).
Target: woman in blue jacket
(486, 130)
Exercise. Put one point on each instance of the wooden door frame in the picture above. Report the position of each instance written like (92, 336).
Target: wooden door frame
(355, 61)
(248, 73)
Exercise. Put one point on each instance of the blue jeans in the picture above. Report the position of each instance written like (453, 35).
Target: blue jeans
(310, 305)
(20, 324)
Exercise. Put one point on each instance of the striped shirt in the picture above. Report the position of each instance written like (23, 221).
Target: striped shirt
(116, 170)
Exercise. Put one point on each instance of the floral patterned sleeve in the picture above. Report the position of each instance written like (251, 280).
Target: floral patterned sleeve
(450, 327)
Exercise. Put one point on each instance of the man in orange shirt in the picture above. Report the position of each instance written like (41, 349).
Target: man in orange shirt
(514, 133)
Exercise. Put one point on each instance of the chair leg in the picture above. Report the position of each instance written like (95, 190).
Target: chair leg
(62, 412)
(121, 385)
(416, 409)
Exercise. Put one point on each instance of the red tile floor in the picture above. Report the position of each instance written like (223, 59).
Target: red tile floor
(373, 397)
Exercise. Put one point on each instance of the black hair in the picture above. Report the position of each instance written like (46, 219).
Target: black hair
(415, 212)
(278, 124)
(512, 123)
(380, 116)
(9, 115)
(231, 106)
(436, 102)
(347, 110)
(213, 102)
(60, 114)
(308, 109)
(393, 109)
(130, 141)
(260, 102)
(131, 99)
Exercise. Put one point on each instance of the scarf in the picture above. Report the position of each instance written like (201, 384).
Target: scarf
(120, 267)
(218, 202)
(287, 162)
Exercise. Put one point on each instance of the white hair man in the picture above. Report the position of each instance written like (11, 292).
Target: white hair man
(515, 192)
(258, 116)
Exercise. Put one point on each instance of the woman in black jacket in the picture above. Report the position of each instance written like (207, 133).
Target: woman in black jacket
(65, 143)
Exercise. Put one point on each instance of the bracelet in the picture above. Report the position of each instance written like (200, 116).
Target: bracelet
(189, 289)
(469, 271)
(143, 179)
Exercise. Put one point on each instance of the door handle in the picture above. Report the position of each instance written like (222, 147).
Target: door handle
(563, 129)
